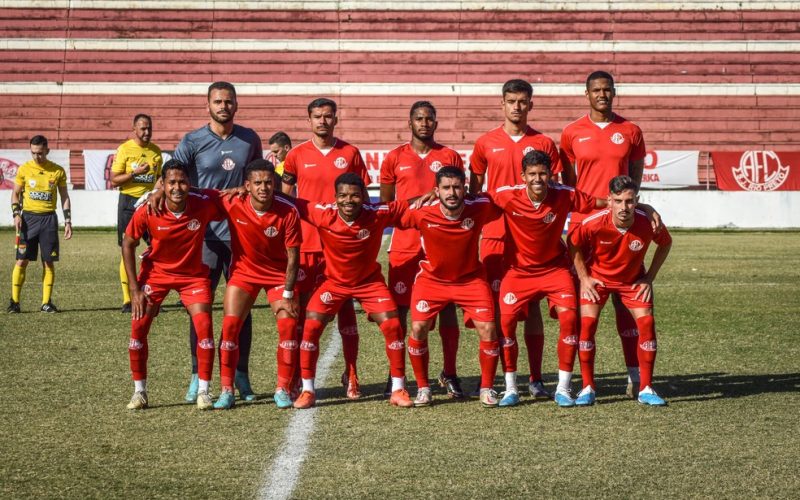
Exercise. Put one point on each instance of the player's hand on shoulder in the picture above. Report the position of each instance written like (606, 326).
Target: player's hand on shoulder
(233, 192)
(425, 199)
(155, 201)
(653, 216)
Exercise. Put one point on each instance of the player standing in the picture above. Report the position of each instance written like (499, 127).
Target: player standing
(216, 155)
(33, 205)
(313, 167)
(495, 160)
(616, 241)
(594, 149)
(136, 168)
(409, 171)
(350, 232)
(173, 261)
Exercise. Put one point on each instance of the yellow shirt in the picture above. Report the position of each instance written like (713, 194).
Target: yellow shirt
(40, 185)
(279, 169)
(129, 156)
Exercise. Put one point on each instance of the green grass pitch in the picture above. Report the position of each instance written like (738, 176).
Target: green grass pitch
(728, 322)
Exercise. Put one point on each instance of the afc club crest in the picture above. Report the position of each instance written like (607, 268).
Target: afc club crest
(423, 306)
(650, 346)
(635, 245)
(617, 138)
(326, 298)
(510, 298)
(571, 340)
(760, 171)
(467, 223)
(527, 150)
(228, 164)
(435, 166)
(301, 275)
(147, 289)
(550, 217)
(271, 232)
(400, 287)
(193, 225)
(363, 234)
(340, 163)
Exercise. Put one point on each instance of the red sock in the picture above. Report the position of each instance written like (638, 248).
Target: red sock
(567, 339)
(647, 349)
(137, 347)
(450, 336)
(309, 348)
(508, 336)
(419, 356)
(534, 341)
(586, 350)
(628, 334)
(395, 347)
(488, 356)
(287, 351)
(349, 330)
(205, 344)
(298, 337)
(229, 350)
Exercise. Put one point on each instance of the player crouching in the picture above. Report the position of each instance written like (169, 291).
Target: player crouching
(172, 262)
(616, 241)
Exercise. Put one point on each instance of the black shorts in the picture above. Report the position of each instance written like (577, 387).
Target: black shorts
(38, 231)
(125, 209)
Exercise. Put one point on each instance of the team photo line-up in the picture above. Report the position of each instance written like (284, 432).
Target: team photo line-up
(302, 228)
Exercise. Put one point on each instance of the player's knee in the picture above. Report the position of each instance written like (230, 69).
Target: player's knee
(391, 327)
(231, 326)
(568, 321)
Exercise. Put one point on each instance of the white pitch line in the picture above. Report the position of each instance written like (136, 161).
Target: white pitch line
(282, 476)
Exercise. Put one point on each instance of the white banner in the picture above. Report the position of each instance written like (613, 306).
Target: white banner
(11, 159)
(670, 169)
(97, 165)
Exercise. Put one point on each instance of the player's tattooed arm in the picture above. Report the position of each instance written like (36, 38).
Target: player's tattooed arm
(644, 285)
(289, 300)
(588, 284)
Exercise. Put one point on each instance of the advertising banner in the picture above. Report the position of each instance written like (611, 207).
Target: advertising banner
(670, 169)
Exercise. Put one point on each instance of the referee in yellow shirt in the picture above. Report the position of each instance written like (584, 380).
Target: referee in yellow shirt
(136, 168)
(37, 184)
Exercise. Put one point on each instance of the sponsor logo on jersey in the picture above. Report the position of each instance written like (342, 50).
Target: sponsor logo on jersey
(363, 234)
(147, 289)
(417, 351)
(435, 166)
(636, 245)
(467, 223)
(510, 298)
(527, 150)
(309, 165)
(760, 171)
(228, 164)
(400, 287)
(227, 345)
(584, 139)
(340, 163)
(223, 152)
(307, 346)
(404, 167)
(433, 225)
(397, 345)
(585, 345)
(606, 242)
(550, 217)
(206, 344)
(40, 195)
(630, 332)
(649, 345)
(163, 228)
(423, 306)
(496, 285)
(570, 340)
(271, 232)
(617, 138)
(289, 345)
(135, 345)
(144, 178)
(242, 222)
(326, 298)
(516, 214)
(495, 150)
(508, 342)
(193, 225)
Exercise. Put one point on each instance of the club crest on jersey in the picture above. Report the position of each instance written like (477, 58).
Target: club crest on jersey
(510, 298)
(496, 286)
(32, 183)
(326, 298)
(636, 245)
(340, 163)
(617, 138)
(570, 340)
(400, 287)
(467, 223)
(147, 289)
(228, 164)
(649, 345)
(363, 234)
(423, 306)
(527, 150)
(193, 225)
(435, 166)
(301, 275)
(271, 232)
(550, 217)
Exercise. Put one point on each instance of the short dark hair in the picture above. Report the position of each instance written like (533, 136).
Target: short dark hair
(142, 116)
(321, 102)
(281, 139)
(259, 165)
(39, 140)
(221, 86)
(173, 164)
(599, 75)
(536, 157)
(622, 183)
(451, 172)
(516, 86)
(422, 104)
(350, 179)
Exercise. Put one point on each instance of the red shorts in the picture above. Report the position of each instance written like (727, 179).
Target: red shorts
(372, 293)
(192, 290)
(311, 271)
(274, 291)
(492, 258)
(431, 296)
(625, 292)
(403, 269)
(520, 287)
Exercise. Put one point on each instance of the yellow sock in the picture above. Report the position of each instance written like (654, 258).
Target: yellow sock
(123, 279)
(17, 280)
(48, 277)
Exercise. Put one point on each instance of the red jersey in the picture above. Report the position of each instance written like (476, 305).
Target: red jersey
(499, 157)
(351, 249)
(316, 172)
(600, 154)
(451, 245)
(259, 240)
(535, 232)
(615, 256)
(176, 242)
(413, 176)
